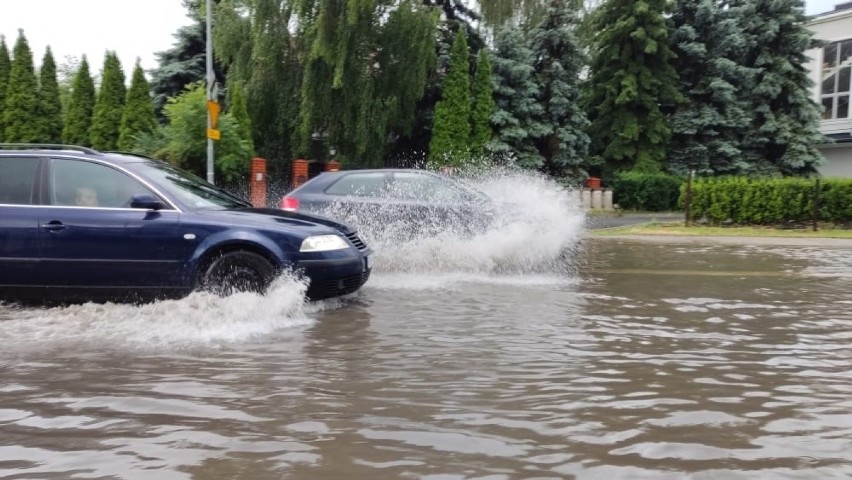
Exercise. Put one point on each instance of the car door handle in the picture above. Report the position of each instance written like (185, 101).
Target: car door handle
(53, 226)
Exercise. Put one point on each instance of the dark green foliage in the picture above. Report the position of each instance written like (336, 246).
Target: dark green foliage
(49, 104)
(707, 127)
(563, 143)
(239, 110)
(451, 131)
(769, 201)
(78, 118)
(784, 132)
(109, 106)
(263, 54)
(483, 104)
(517, 113)
(365, 69)
(5, 69)
(138, 115)
(186, 61)
(186, 140)
(652, 192)
(631, 86)
(835, 200)
(20, 116)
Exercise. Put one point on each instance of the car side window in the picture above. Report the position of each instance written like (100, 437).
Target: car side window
(17, 180)
(87, 184)
(359, 185)
(416, 186)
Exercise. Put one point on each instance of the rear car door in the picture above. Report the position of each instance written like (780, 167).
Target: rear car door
(353, 197)
(91, 237)
(19, 221)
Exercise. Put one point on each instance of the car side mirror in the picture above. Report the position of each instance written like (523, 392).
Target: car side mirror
(146, 201)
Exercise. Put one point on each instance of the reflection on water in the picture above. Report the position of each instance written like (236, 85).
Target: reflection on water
(651, 361)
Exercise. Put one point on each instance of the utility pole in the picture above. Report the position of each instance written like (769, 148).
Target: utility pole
(211, 81)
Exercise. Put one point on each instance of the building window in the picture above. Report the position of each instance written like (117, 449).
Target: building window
(836, 80)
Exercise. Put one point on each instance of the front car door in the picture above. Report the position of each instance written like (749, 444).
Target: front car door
(18, 221)
(90, 237)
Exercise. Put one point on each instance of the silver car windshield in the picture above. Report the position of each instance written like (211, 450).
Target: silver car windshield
(190, 189)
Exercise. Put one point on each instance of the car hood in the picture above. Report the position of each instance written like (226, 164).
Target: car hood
(298, 219)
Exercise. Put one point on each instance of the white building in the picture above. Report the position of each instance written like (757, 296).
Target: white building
(831, 71)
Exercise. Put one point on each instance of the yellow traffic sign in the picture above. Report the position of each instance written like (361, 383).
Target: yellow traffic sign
(213, 109)
(213, 134)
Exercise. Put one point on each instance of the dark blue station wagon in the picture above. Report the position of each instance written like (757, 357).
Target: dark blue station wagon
(80, 225)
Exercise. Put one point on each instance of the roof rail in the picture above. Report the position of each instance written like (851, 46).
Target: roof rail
(130, 154)
(47, 146)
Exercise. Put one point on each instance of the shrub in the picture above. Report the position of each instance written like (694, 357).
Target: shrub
(768, 201)
(653, 192)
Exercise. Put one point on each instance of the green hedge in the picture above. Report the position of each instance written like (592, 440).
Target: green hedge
(768, 201)
(652, 192)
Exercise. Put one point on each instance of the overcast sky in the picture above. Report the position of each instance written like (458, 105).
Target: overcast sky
(134, 29)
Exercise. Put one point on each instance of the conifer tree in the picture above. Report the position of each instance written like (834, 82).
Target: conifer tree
(517, 113)
(138, 115)
(483, 104)
(20, 116)
(5, 68)
(451, 128)
(784, 131)
(49, 104)
(707, 126)
(632, 83)
(78, 118)
(564, 143)
(109, 106)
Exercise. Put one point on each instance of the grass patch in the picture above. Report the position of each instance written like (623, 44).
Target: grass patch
(677, 228)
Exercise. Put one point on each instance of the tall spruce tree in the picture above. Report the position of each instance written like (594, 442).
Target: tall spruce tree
(785, 124)
(138, 115)
(5, 69)
(517, 113)
(707, 127)
(21, 114)
(564, 144)
(451, 130)
(483, 104)
(632, 83)
(78, 118)
(109, 106)
(49, 104)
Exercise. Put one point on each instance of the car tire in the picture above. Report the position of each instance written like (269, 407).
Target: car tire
(238, 271)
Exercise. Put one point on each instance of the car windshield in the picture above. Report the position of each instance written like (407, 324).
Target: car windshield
(190, 189)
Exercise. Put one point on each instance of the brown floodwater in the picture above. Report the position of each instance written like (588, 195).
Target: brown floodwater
(637, 361)
(521, 353)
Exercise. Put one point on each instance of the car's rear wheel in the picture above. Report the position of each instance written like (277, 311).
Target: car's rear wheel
(238, 271)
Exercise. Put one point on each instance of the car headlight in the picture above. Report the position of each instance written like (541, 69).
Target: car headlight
(323, 243)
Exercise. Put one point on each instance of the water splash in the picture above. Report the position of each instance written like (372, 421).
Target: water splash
(536, 228)
(200, 319)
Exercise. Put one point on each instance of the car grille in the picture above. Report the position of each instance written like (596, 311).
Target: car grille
(356, 240)
(340, 286)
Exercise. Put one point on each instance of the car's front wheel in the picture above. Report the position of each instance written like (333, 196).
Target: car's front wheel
(238, 271)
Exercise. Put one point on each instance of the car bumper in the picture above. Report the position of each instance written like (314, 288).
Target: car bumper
(335, 277)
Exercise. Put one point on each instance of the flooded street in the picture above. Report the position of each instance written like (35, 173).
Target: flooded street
(622, 360)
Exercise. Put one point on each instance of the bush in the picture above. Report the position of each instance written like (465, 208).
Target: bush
(653, 192)
(768, 201)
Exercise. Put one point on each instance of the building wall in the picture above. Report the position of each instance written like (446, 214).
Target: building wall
(831, 27)
(838, 161)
